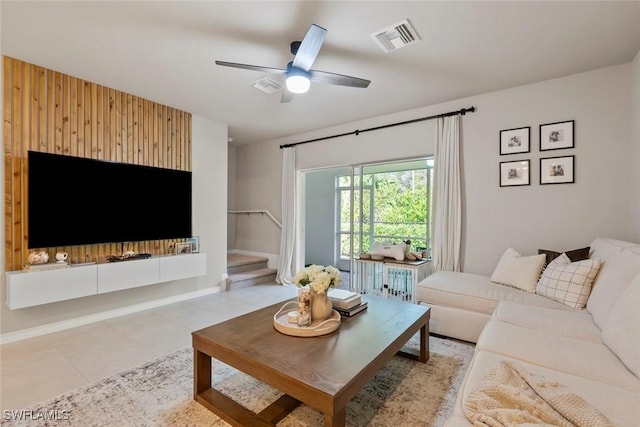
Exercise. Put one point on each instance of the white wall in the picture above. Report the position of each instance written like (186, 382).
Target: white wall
(209, 145)
(320, 215)
(558, 217)
(231, 199)
(635, 147)
(258, 182)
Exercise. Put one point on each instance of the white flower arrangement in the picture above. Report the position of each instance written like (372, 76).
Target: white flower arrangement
(318, 277)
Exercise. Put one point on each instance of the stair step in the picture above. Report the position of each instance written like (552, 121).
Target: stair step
(249, 278)
(237, 263)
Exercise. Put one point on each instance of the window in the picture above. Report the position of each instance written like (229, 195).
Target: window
(392, 205)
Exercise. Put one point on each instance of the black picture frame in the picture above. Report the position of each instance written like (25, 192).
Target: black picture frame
(557, 170)
(515, 141)
(557, 136)
(515, 173)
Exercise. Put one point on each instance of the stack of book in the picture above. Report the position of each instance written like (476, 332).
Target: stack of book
(346, 303)
(43, 267)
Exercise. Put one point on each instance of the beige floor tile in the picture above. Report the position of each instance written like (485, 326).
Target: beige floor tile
(147, 329)
(168, 347)
(38, 376)
(127, 358)
(41, 368)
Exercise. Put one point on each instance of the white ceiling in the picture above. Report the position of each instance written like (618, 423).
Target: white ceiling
(165, 52)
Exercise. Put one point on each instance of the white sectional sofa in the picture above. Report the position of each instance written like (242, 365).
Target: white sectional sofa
(594, 352)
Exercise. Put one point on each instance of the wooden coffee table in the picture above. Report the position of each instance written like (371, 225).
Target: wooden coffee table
(323, 372)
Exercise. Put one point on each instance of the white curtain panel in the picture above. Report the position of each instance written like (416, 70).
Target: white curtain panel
(447, 199)
(288, 233)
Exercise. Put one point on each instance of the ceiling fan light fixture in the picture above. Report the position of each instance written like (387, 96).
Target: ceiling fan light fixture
(298, 80)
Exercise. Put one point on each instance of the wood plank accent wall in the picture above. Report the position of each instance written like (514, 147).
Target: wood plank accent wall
(51, 112)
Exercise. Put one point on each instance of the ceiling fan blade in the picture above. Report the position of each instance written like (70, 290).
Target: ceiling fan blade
(337, 79)
(309, 48)
(252, 67)
(287, 96)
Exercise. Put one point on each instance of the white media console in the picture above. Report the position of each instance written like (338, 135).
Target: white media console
(26, 289)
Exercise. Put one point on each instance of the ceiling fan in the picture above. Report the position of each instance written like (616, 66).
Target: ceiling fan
(299, 74)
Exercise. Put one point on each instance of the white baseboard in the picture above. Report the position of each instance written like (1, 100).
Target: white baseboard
(23, 334)
(274, 259)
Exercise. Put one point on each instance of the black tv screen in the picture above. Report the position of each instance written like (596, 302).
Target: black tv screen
(80, 201)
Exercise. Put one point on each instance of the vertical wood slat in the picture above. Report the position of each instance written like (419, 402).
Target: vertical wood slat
(8, 144)
(51, 112)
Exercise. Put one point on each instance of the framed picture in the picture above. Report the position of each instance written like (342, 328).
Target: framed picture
(556, 136)
(557, 170)
(515, 173)
(195, 244)
(514, 141)
(183, 248)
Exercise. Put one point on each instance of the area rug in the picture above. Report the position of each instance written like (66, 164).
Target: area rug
(159, 393)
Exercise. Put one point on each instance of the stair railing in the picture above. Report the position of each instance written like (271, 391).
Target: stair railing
(261, 211)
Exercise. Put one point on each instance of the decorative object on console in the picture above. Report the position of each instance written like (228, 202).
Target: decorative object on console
(515, 173)
(557, 170)
(556, 136)
(518, 271)
(389, 250)
(195, 244)
(46, 266)
(38, 257)
(514, 141)
(183, 248)
(61, 257)
(568, 282)
(319, 279)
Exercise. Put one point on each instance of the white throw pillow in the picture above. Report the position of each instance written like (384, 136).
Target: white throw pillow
(519, 271)
(568, 282)
(389, 250)
(621, 332)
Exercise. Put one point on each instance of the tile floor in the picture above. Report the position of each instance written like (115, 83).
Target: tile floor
(39, 368)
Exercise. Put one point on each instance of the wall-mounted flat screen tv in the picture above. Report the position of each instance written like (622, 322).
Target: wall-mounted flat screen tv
(80, 201)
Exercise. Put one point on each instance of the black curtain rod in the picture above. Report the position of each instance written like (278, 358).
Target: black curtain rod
(356, 132)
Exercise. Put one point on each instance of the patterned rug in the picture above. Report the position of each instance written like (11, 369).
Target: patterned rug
(159, 393)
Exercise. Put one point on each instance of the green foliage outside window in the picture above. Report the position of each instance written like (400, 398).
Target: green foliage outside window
(401, 200)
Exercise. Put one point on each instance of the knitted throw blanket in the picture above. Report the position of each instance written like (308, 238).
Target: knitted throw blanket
(511, 396)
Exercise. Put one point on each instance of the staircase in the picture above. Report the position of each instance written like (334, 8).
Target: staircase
(247, 270)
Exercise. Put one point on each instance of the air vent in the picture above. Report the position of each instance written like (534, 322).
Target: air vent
(266, 85)
(396, 36)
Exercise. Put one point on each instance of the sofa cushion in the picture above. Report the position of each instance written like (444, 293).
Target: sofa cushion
(621, 330)
(575, 323)
(518, 271)
(568, 282)
(474, 292)
(574, 254)
(619, 266)
(569, 355)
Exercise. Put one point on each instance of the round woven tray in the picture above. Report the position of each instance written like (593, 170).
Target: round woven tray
(282, 325)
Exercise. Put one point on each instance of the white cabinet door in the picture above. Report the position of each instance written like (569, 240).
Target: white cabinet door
(127, 274)
(25, 289)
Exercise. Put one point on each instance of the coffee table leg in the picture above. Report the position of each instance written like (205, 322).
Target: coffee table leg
(337, 420)
(424, 344)
(201, 373)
